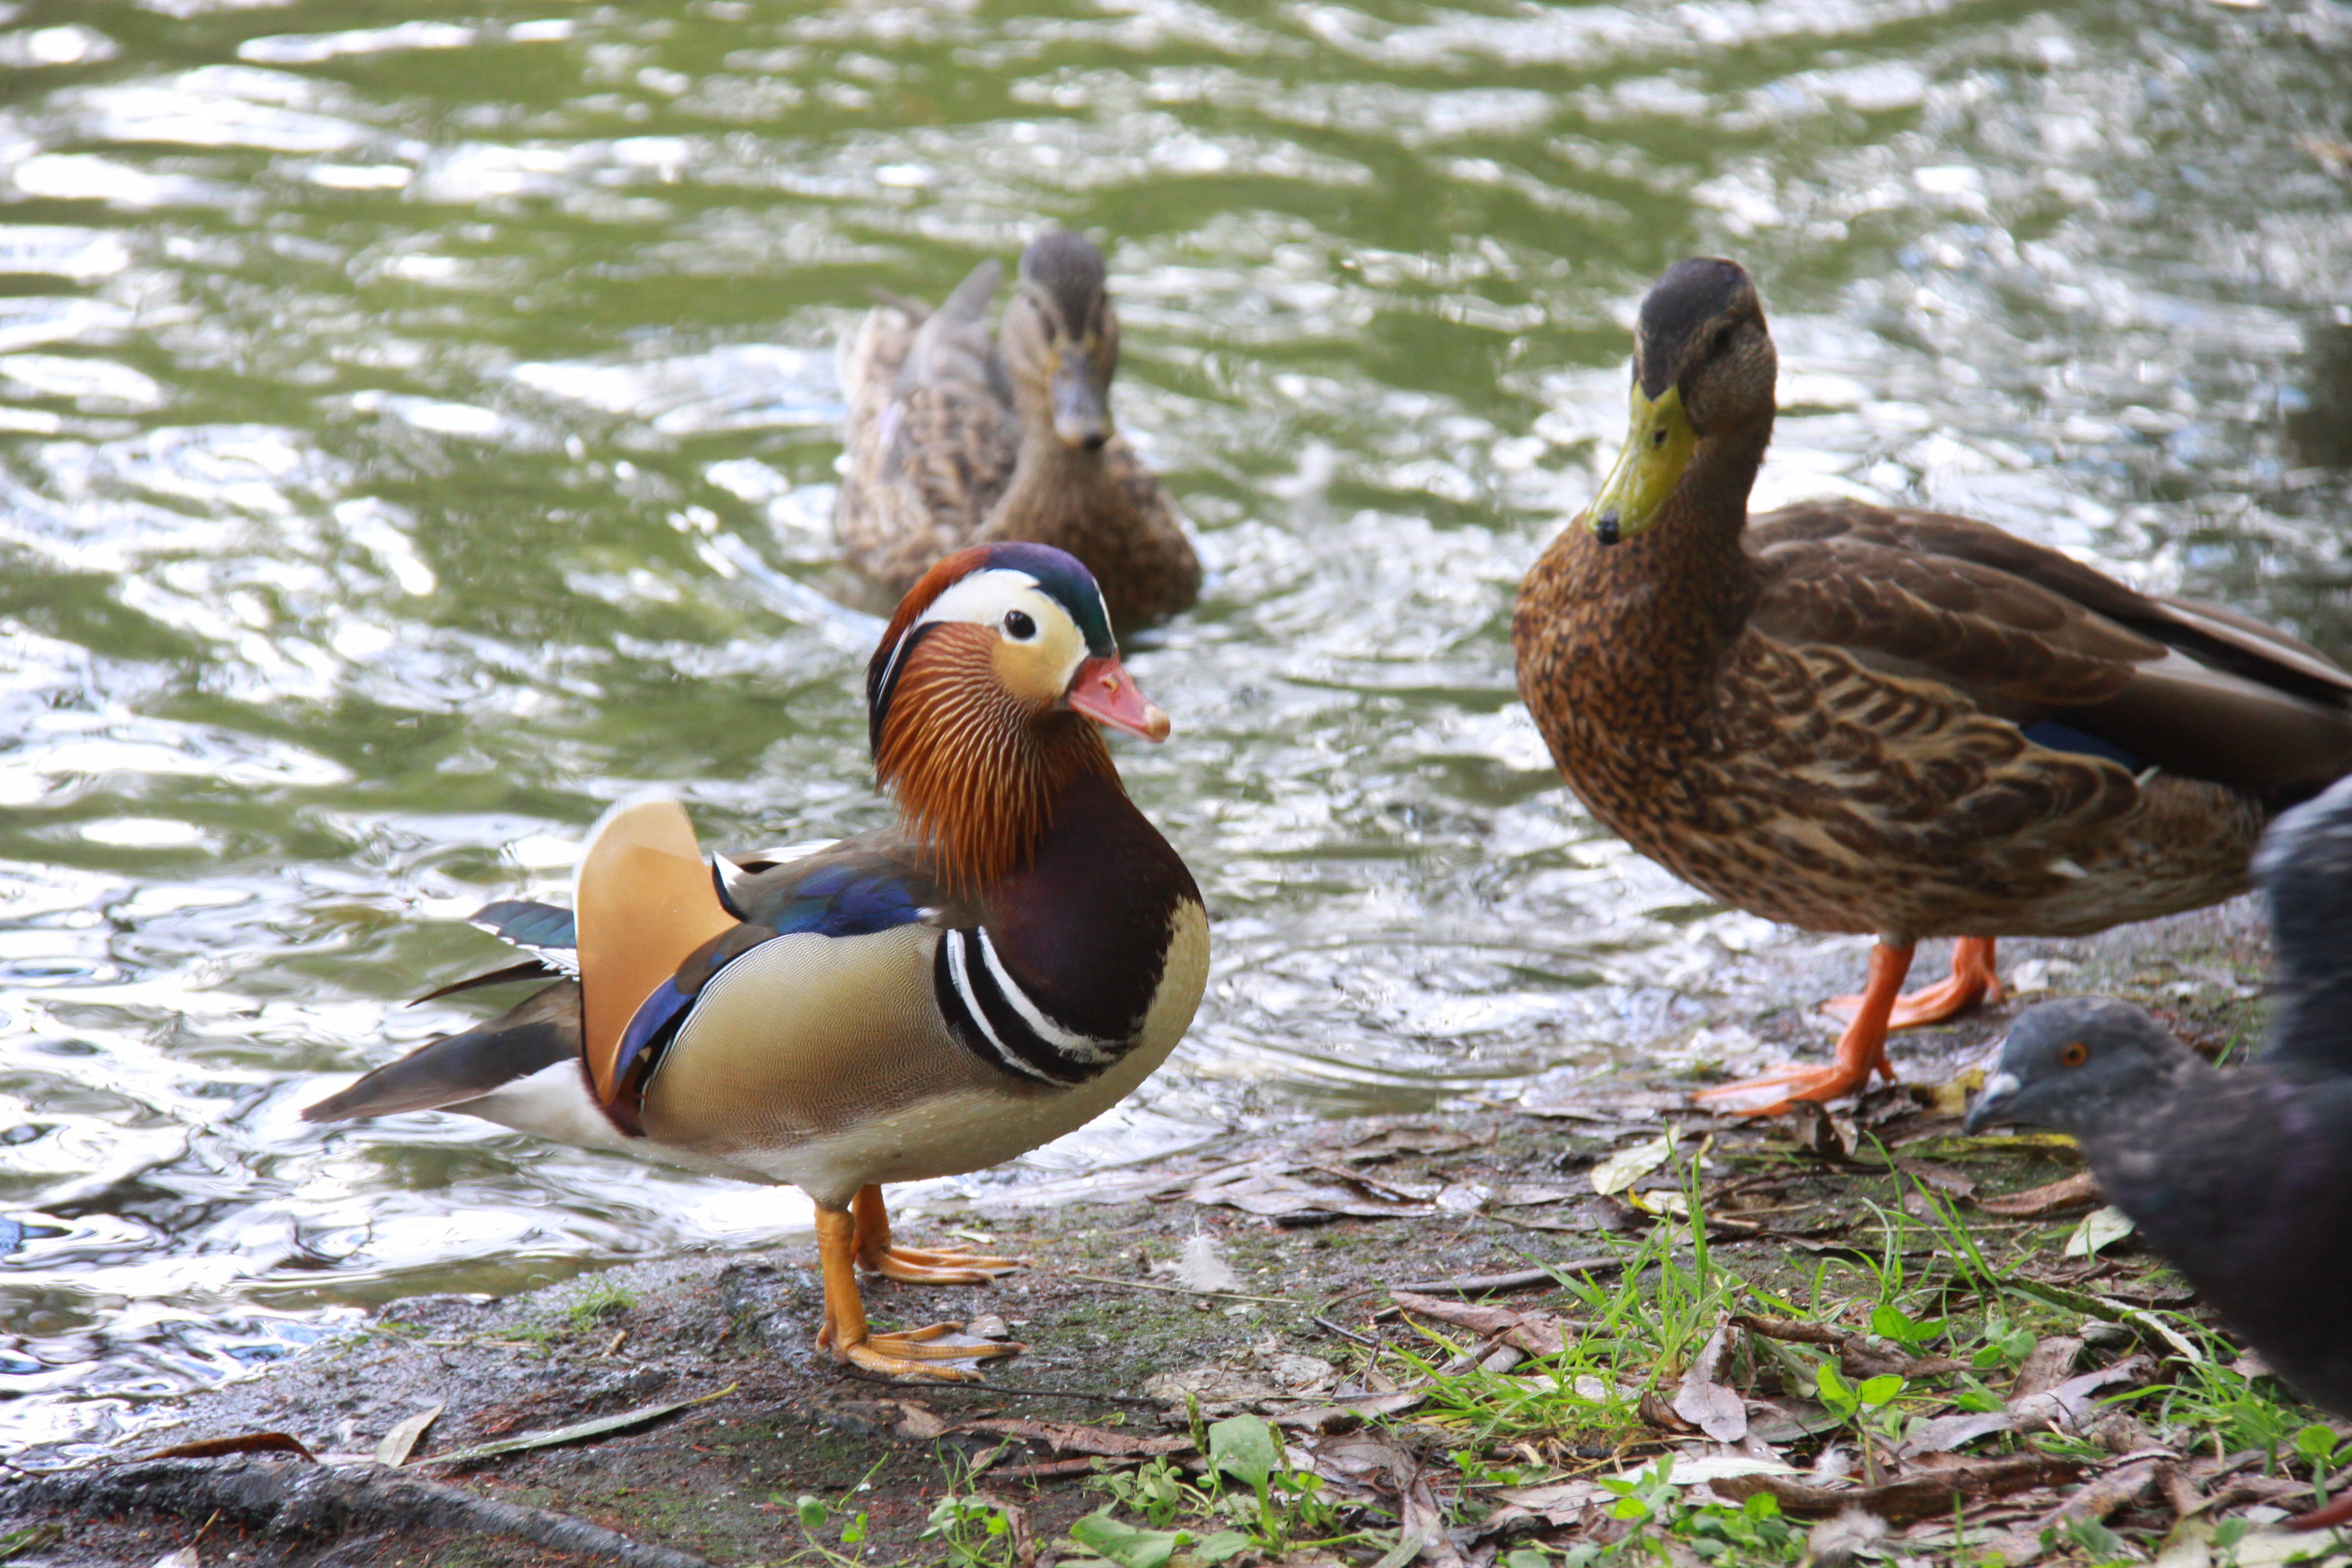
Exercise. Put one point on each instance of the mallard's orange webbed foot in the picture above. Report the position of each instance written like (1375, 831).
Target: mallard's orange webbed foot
(2335, 1513)
(1972, 981)
(915, 1265)
(909, 1353)
(1861, 1051)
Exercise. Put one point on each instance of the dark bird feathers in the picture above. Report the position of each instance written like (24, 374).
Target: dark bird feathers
(2242, 1178)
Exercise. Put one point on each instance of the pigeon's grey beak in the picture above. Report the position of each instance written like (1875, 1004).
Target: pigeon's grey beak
(1991, 1102)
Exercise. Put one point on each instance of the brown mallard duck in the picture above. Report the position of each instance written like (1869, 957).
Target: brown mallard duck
(1854, 717)
(953, 440)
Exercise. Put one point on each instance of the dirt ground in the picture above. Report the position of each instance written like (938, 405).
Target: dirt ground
(1258, 1275)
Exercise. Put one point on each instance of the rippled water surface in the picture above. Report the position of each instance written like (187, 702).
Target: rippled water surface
(418, 428)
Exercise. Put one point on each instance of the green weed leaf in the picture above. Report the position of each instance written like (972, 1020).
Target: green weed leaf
(1835, 1395)
(1245, 1449)
(1878, 1391)
(1127, 1546)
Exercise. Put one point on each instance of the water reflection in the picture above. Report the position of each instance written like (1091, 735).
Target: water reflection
(414, 436)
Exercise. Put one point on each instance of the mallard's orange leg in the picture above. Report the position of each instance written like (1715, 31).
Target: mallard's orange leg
(1860, 1050)
(913, 1264)
(2335, 1513)
(1972, 981)
(905, 1354)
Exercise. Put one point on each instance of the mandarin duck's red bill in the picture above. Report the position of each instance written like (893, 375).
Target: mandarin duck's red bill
(1008, 961)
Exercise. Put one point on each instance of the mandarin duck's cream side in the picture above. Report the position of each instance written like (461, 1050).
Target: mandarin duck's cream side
(954, 439)
(1013, 958)
(1854, 717)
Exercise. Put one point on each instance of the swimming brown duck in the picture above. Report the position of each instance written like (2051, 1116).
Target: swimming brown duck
(1007, 963)
(1866, 719)
(954, 441)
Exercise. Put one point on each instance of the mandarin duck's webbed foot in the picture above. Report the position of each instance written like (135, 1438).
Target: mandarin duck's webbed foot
(907, 1352)
(915, 1265)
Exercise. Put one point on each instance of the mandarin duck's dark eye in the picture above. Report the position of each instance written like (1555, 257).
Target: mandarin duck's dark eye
(1018, 626)
(2074, 1054)
(1722, 341)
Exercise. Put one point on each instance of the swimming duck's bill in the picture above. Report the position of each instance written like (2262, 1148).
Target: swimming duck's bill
(1658, 447)
(1081, 406)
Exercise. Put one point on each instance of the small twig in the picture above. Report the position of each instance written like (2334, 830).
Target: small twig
(208, 1529)
(1329, 1327)
(1524, 1279)
(1180, 1290)
(931, 1387)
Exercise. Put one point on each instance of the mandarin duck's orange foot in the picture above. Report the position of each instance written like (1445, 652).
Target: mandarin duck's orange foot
(913, 1354)
(917, 1266)
(1973, 980)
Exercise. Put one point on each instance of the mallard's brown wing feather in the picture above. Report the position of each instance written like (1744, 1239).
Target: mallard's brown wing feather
(1154, 571)
(2030, 635)
(932, 433)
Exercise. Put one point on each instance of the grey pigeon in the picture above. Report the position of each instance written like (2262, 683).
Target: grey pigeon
(2241, 1178)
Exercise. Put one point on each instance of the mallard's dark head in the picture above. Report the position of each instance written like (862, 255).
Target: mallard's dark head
(1060, 341)
(2081, 1065)
(1703, 368)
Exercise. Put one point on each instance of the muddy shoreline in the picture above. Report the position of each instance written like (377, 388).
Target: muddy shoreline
(1252, 1274)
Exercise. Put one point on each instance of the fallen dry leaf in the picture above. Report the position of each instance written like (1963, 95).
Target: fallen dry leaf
(401, 1441)
(2082, 1187)
(2045, 1366)
(2072, 1405)
(1283, 1198)
(2103, 1226)
(244, 1442)
(1536, 1334)
(1072, 1437)
(1705, 1403)
(1390, 1142)
(1913, 1497)
(577, 1431)
(1622, 1170)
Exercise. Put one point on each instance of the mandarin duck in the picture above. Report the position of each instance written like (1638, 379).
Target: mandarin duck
(953, 440)
(1005, 963)
(2243, 1179)
(1867, 719)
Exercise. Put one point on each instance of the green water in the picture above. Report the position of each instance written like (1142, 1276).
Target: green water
(418, 428)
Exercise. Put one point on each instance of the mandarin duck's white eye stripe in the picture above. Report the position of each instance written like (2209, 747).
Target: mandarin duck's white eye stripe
(981, 596)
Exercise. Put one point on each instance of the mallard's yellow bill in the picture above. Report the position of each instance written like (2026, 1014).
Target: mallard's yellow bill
(1657, 450)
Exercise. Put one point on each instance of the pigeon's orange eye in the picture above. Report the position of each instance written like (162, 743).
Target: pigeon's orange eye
(2076, 1053)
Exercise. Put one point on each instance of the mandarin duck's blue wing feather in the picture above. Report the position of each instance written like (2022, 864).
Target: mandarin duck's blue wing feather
(846, 900)
(874, 882)
(547, 933)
